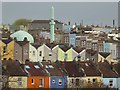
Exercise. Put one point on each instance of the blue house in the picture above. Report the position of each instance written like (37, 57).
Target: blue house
(110, 76)
(72, 39)
(106, 46)
(58, 78)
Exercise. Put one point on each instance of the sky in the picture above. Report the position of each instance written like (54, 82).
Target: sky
(101, 13)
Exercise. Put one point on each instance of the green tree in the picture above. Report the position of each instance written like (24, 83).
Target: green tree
(21, 22)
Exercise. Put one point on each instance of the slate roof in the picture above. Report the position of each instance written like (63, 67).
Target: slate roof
(78, 50)
(72, 69)
(34, 71)
(36, 46)
(51, 45)
(91, 51)
(22, 43)
(6, 41)
(53, 69)
(13, 68)
(89, 69)
(106, 70)
(104, 54)
(64, 48)
(117, 68)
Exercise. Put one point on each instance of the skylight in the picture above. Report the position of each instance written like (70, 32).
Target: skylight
(27, 67)
(41, 64)
(46, 66)
(50, 66)
(86, 64)
(36, 66)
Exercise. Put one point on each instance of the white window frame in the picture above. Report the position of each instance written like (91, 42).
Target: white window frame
(32, 80)
(42, 82)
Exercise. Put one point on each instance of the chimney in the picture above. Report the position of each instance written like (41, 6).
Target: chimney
(15, 39)
(69, 23)
(113, 23)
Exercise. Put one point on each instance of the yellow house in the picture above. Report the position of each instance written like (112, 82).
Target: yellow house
(92, 74)
(17, 82)
(7, 50)
(17, 77)
(102, 56)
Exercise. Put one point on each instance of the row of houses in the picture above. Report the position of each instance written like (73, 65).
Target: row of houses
(23, 50)
(72, 74)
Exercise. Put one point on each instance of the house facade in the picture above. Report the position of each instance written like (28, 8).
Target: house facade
(7, 50)
(37, 77)
(17, 77)
(21, 51)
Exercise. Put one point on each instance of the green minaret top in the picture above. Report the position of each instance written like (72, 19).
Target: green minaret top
(52, 23)
(52, 12)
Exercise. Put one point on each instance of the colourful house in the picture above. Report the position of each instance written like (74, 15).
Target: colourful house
(17, 77)
(110, 76)
(7, 51)
(91, 71)
(37, 77)
(57, 78)
(74, 73)
(63, 53)
(33, 53)
(102, 56)
(21, 51)
(81, 54)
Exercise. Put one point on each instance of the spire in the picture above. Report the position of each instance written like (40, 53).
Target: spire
(52, 26)
(52, 12)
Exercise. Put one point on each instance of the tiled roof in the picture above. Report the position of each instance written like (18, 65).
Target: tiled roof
(51, 45)
(106, 70)
(13, 68)
(72, 69)
(91, 51)
(89, 69)
(116, 67)
(78, 50)
(64, 48)
(34, 69)
(7, 41)
(53, 69)
(22, 43)
(104, 54)
(36, 46)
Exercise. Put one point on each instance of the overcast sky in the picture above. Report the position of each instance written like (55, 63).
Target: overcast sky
(90, 12)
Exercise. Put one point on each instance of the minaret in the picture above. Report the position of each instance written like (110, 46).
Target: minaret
(52, 23)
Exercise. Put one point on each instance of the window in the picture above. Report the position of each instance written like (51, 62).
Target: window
(65, 56)
(32, 81)
(72, 81)
(33, 52)
(19, 81)
(94, 80)
(16, 51)
(53, 81)
(4, 49)
(77, 82)
(4, 58)
(88, 80)
(40, 53)
(111, 83)
(50, 53)
(60, 81)
(25, 52)
(41, 82)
